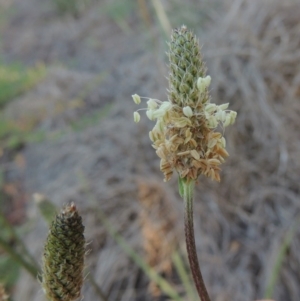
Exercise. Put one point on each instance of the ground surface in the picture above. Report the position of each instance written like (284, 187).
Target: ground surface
(90, 143)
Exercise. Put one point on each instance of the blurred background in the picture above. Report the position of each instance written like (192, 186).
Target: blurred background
(67, 73)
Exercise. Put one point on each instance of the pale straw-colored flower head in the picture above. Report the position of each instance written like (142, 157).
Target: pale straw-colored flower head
(185, 135)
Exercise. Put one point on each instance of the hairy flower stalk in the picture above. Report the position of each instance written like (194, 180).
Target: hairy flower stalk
(188, 192)
(63, 259)
(185, 135)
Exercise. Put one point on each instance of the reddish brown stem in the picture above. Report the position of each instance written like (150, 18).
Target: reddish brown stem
(190, 242)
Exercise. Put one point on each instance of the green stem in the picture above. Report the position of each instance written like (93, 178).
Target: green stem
(97, 288)
(18, 258)
(126, 247)
(149, 271)
(15, 236)
(188, 193)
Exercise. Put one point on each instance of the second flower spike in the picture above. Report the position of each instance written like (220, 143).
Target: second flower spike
(63, 258)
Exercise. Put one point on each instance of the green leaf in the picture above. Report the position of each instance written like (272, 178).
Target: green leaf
(9, 271)
(181, 186)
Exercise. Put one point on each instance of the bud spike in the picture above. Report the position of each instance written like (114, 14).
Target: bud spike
(63, 259)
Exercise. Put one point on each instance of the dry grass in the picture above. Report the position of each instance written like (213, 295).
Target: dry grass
(158, 220)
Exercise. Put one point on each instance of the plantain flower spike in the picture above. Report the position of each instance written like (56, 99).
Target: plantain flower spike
(185, 135)
(63, 258)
